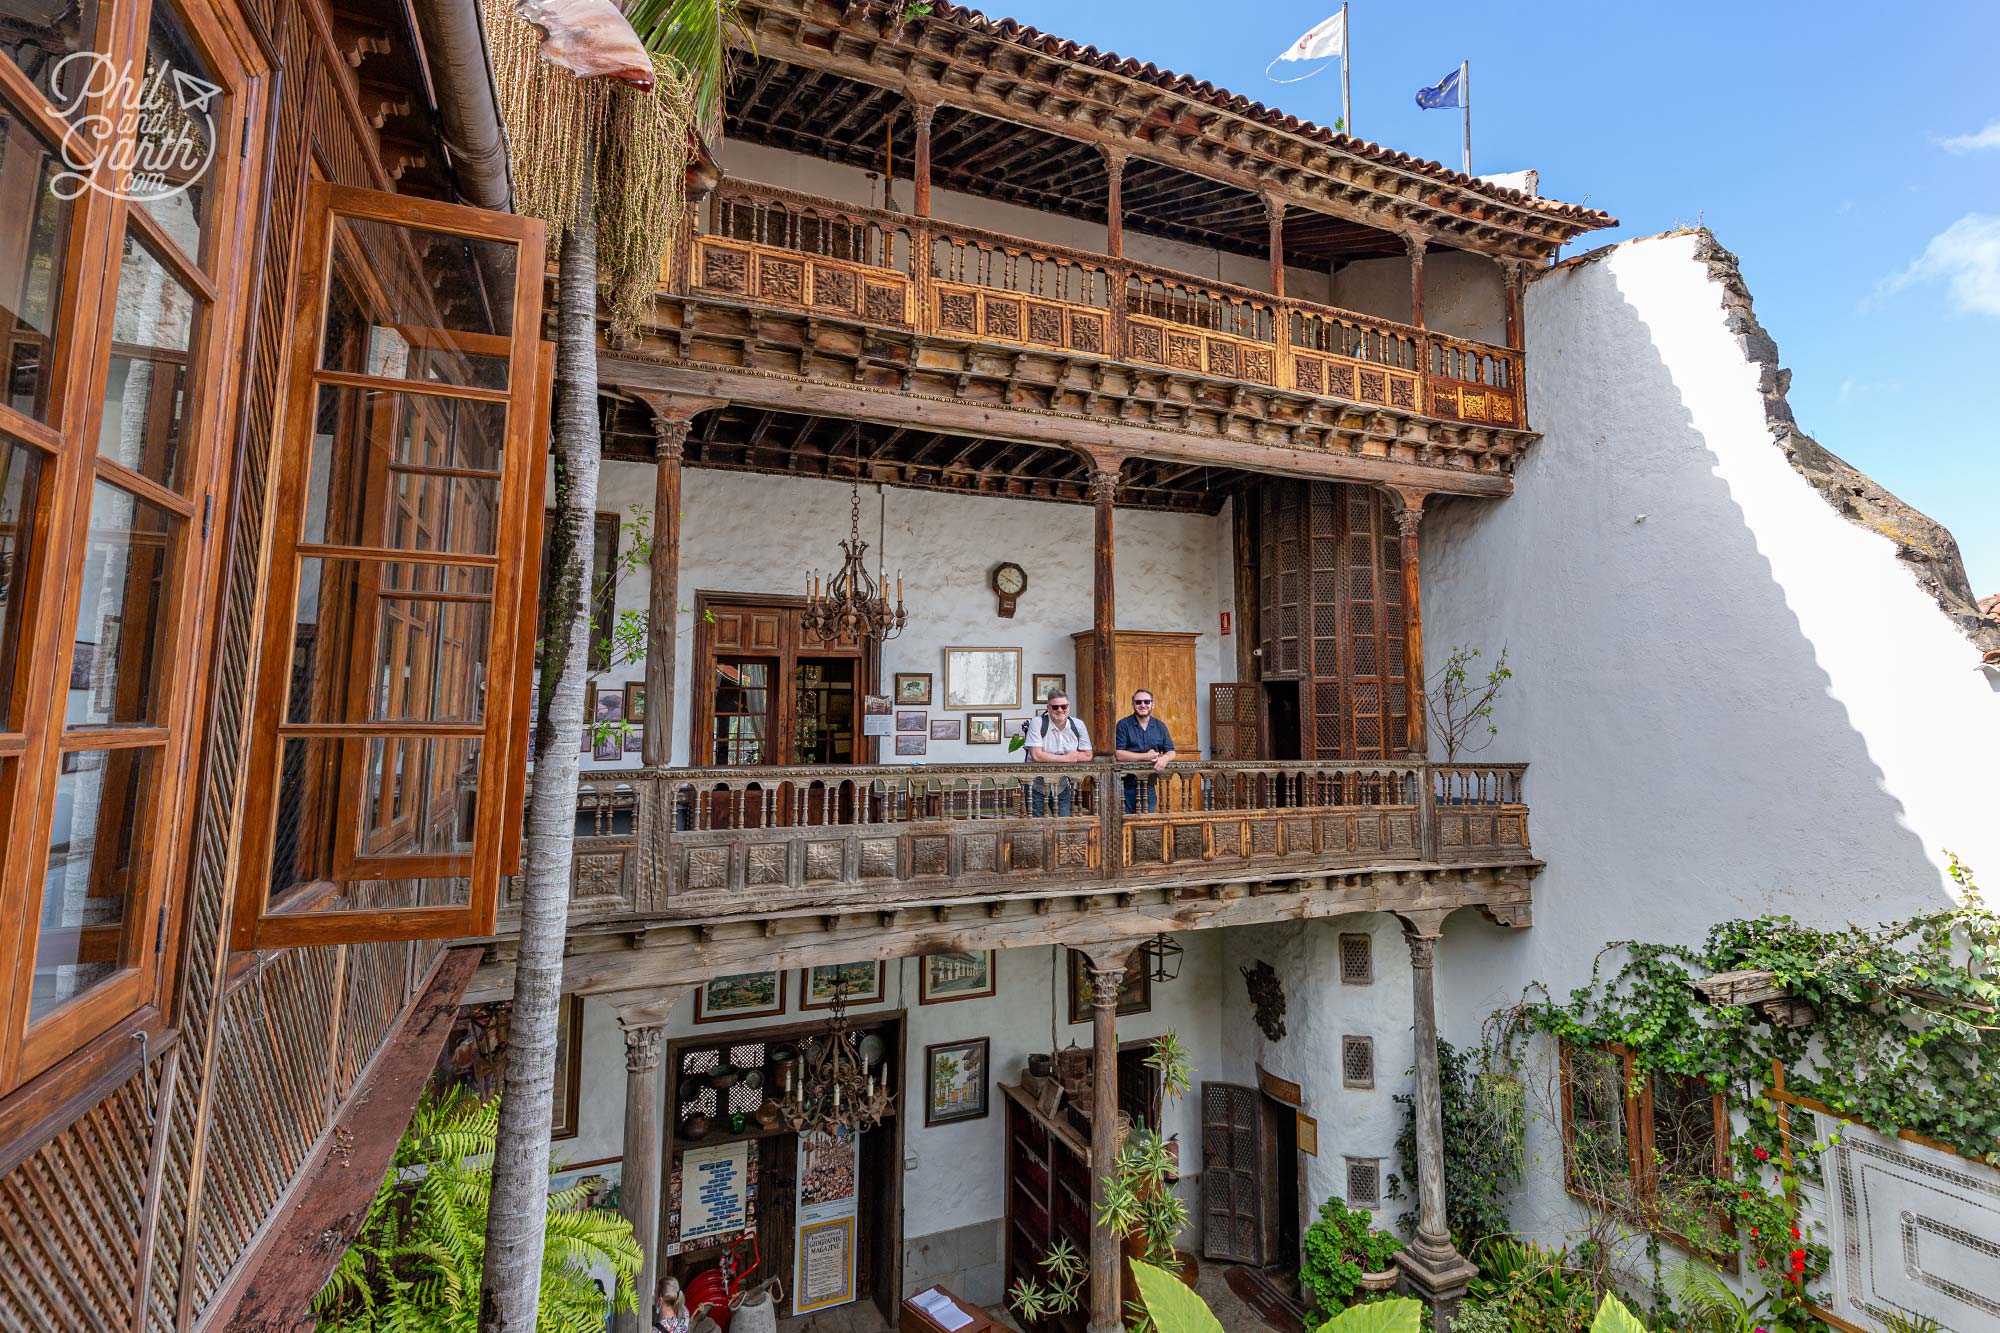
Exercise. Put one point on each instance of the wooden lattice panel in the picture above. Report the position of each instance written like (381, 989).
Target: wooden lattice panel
(1232, 720)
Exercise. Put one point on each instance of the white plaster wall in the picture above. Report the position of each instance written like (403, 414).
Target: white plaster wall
(1464, 293)
(1319, 1010)
(749, 533)
(953, 1173)
(1734, 701)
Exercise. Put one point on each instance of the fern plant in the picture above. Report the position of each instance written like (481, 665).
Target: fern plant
(415, 1266)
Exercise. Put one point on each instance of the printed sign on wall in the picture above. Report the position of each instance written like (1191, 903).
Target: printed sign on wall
(714, 1190)
(828, 1203)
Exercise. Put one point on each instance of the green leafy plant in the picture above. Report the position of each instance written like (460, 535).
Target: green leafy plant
(1533, 1288)
(416, 1265)
(1613, 1317)
(1461, 703)
(1339, 1247)
(1479, 1317)
(1708, 1303)
(1395, 1314)
(1484, 1115)
(1169, 1304)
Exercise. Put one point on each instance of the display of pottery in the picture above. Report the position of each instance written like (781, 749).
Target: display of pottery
(695, 1127)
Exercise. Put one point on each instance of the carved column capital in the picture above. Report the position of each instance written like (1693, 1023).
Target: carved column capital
(921, 114)
(1274, 207)
(642, 1049)
(1415, 243)
(1115, 158)
(670, 436)
(1514, 273)
(1423, 950)
(1103, 484)
(1105, 983)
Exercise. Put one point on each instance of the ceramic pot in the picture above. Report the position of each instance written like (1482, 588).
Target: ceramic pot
(1381, 1281)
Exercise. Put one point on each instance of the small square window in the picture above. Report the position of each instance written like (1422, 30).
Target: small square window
(1364, 1182)
(1357, 1062)
(1357, 960)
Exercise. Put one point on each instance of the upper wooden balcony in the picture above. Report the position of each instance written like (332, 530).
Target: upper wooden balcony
(715, 844)
(939, 282)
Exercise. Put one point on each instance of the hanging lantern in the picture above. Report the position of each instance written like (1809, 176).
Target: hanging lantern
(1161, 957)
(849, 604)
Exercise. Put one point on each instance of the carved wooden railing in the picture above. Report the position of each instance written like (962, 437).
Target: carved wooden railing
(692, 842)
(779, 247)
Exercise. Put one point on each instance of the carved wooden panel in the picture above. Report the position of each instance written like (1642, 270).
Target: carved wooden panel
(1003, 319)
(833, 288)
(781, 278)
(1086, 332)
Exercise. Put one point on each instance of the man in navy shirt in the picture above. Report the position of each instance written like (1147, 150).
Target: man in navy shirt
(1143, 737)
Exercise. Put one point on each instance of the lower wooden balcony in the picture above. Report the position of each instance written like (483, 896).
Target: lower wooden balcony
(729, 843)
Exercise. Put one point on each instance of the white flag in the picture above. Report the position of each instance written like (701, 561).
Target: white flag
(1327, 39)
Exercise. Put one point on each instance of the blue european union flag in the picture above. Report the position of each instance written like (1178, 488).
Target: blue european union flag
(1444, 93)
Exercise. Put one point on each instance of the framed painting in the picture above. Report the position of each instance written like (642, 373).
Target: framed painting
(955, 1082)
(475, 1056)
(982, 728)
(944, 728)
(740, 995)
(1135, 993)
(635, 701)
(906, 744)
(589, 712)
(982, 678)
(913, 687)
(862, 980)
(912, 721)
(1048, 683)
(962, 975)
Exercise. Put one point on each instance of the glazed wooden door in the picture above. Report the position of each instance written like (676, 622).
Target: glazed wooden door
(1232, 1195)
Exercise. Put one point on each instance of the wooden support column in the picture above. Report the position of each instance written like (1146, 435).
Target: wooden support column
(923, 113)
(1409, 519)
(644, 1024)
(1106, 1256)
(1114, 207)
(1274, 212)
(1514, 273)
(1415, 245)
(1433, 1270)
(1104, 614)
(673, 417)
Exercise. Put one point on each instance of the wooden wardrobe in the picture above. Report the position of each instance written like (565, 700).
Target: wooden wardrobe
(1160, 661)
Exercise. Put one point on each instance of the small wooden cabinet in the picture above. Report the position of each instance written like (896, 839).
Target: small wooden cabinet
(1160, 661)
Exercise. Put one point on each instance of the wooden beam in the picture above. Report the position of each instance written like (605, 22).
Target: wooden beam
(1409, 506)
(1103, 609)
(1274, 212)
(1114, 206)
(923, 113)
(323, 1211)
(1415, 245)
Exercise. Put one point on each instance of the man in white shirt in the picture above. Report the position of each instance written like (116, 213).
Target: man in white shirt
(1054, 737)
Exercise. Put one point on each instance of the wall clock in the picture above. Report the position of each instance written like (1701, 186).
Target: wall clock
(1009, 582)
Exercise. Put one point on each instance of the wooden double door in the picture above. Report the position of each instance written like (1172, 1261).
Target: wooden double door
(768, 691)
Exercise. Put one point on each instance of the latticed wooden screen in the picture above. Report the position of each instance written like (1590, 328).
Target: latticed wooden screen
(1232, 720)
(1331, 587)
(1231, 1219)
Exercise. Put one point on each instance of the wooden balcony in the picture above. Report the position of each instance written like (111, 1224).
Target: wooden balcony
(943, 282)
(722, 843)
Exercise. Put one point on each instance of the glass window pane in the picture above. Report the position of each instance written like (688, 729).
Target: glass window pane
(32, 246)
(145, 397)
(1598, 1163)
(20, 471)
(343, 798)
(95, 869)
(184, 105)
(390, 642)
(404, 472)
(123, 638)
(39, 33)
(419, 305)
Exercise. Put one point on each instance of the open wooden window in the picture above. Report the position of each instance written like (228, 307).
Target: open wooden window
(398, 628)
(1647, 1153)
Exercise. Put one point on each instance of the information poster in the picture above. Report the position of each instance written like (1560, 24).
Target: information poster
(714, 1191)
(878, 715)
(828, 1205)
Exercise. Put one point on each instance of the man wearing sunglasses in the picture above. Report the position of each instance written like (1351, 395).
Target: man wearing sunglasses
(1143, 738)
(1054, 737)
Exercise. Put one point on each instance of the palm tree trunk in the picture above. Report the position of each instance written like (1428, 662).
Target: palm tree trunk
(511, 1285)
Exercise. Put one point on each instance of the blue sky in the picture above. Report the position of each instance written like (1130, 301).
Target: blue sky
(1848, 153)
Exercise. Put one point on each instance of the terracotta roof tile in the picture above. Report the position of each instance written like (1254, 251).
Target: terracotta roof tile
(1201, 90)
(1990, 606)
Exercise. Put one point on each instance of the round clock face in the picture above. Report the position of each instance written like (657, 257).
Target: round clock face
(1010, 580)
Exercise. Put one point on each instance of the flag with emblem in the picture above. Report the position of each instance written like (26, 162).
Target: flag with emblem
(1446, 92)
(1326, 40)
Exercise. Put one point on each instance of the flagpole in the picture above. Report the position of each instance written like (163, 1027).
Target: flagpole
(1465, 99)
(1346, 102)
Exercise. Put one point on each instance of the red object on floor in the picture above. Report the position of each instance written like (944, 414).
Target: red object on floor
(718, 1287)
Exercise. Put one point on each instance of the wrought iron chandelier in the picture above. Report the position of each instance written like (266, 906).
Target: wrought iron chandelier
(1161, 957)
(849, 604)
(833, 1085)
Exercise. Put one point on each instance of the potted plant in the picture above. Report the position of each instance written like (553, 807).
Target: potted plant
(1346, 1253)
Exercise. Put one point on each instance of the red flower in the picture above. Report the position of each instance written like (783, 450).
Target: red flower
(1762, 1154)
(1763, 1263)
(1746, 1194)
(1795, 1233)
(1753, 1231)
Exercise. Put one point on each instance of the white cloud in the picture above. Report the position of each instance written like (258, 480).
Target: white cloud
(1974, 142)
(1965, 257)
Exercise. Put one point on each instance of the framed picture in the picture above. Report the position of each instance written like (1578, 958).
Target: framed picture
(742, 995)
(944, 728)
(912, 744)
(913, 687)
(863, 982)
(635, 701)
(104, 684)
(982, 678)
(1135, 993)
(982, 728)
(912, 721)
(955, 1081)
(607, 711)
(83, 656)
(589, 712)
(958, 976)
(1048, 683)
(1016, 726)
(607, 707)
(635, 739)
(475, 1056)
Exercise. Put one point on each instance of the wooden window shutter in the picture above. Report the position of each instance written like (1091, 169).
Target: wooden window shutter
(1231, 1190)
(1232, 720)
(390, 725)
